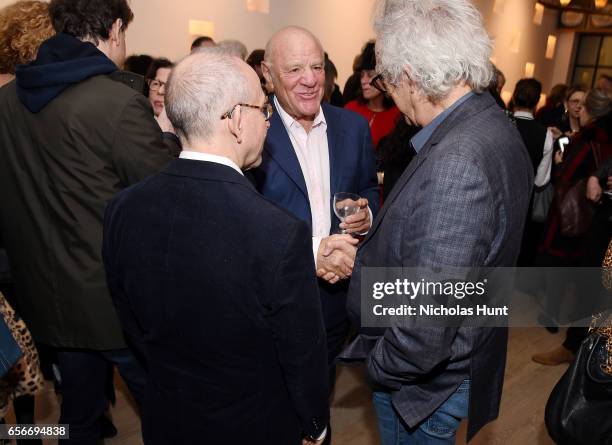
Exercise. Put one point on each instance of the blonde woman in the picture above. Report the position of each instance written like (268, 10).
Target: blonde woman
(24, 25)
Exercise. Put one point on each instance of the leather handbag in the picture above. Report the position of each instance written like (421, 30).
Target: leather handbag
(579, 407)
(575, 211)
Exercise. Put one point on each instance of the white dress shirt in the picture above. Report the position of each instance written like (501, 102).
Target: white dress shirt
(542, 176)
(199, 156)
(312, 152)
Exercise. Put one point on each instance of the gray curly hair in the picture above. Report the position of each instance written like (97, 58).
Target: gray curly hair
(437, 43)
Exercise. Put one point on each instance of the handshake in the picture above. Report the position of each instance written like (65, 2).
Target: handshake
(336, 254)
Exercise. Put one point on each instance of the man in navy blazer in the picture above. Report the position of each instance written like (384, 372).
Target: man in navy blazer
(214, 284)
(312, 151)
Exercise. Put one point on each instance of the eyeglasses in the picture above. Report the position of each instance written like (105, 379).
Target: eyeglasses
(155, 85)
(379, 83)
(266, 109)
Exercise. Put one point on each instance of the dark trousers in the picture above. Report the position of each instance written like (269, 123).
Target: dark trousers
(336, 337)
(83, 385)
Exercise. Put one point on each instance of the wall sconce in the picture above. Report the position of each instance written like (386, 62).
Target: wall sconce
(564, 2)
(541, 102)
(515, 42)
(538, 14)
(529, 69)
(262, 6)
(201, 28)
(550, 46)
(601, 3)
(506, 96)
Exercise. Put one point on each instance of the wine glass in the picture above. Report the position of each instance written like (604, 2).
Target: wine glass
(345, 204)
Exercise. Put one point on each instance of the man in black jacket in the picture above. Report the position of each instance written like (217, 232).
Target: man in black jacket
(214, 283)
(71, 137)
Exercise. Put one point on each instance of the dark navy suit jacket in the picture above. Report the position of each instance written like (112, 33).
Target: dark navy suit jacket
(216, 286)
(352, 169)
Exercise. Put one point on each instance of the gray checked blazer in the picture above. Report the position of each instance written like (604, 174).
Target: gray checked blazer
(461, 202)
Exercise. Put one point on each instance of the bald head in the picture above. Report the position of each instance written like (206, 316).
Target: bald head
(295, 64)
(197, 93)
(290, 36)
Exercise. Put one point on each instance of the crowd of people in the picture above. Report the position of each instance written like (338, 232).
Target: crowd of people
(175, 219)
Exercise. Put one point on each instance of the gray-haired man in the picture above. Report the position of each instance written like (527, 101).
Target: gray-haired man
(214, 283)
(461, 202)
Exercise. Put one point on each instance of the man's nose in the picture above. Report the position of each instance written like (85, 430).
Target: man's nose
(309, 78)
(162, 90)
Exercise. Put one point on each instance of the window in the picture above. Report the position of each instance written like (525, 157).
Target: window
(594, 58)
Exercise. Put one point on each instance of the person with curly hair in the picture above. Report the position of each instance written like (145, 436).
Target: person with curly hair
(24, 25)
(72, 135)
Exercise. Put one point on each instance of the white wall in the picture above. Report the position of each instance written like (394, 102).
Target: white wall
(504, 20)
(160, 28)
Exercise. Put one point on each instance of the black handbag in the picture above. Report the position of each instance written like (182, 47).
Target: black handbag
(579, 410)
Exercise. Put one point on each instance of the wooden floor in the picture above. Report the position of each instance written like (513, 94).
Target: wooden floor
(521, 422)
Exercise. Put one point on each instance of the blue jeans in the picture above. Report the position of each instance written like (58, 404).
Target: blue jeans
(438, 429)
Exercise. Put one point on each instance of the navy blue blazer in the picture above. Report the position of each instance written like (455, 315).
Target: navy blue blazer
(216, 287)
(352, 169)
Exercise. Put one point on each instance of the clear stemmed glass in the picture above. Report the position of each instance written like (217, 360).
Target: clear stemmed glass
(345, 204)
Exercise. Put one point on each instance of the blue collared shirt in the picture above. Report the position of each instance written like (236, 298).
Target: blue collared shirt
(420, 139)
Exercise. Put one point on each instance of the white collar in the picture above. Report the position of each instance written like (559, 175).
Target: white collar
(199, 156)
(523, 115)
(289, 121)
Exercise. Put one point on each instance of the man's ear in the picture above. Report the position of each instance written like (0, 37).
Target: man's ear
(265, 69)
(235, 123)
(115, 31)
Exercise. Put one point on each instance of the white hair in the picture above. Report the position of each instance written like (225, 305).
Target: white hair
(197, 94)
(234, 48)
(437, 43)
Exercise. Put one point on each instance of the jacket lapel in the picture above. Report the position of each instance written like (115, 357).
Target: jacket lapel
(335, 144)
(278, 145)
(397, 188)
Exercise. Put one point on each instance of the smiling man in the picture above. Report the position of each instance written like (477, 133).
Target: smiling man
(312, 151)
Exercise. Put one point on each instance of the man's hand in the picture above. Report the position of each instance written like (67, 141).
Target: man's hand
(336, 257)
(164, 123)
(593, 189)
(359, 222)
(558, 158)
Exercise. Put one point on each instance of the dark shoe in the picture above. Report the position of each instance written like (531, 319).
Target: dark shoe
(557, 356)
(549, 324)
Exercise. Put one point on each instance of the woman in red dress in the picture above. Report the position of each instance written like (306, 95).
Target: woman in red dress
(379, 110)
